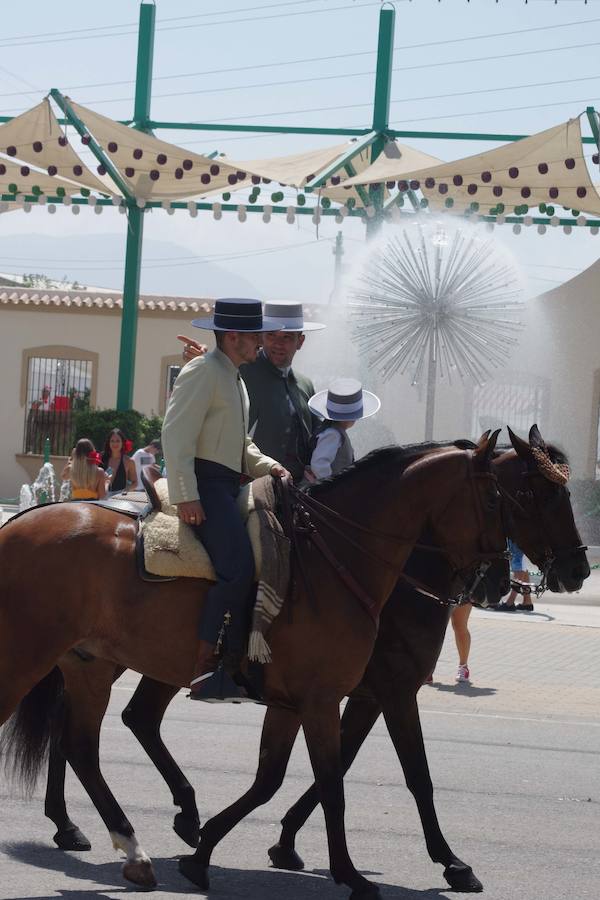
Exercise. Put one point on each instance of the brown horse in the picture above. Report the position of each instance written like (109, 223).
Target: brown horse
(102, 606)
(538, 518)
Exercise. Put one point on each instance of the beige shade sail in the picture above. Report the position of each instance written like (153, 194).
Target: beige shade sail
(34, 182)
(297, 169)
(154, 169)
(548, 167)
(392, 164)
(36, 138)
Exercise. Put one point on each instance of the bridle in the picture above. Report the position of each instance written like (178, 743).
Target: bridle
(302, 511)
(549, 555)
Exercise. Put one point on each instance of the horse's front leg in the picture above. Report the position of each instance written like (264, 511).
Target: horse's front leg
(87, 696)
(401, 715)
(68, 835)
(321, 724)
(360, 714)
(279, 732)
(143, 715)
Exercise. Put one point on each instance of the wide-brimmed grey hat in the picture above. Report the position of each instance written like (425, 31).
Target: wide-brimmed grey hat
(344, 401)
(238, 314)
(291, 314)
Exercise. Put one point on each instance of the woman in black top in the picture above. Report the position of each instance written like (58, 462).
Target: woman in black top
(119, 467)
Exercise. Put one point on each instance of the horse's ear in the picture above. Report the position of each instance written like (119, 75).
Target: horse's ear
(536, 439)
(485, 446)
(522, 447)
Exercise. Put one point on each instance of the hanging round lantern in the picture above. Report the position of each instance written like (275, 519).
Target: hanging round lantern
(75, 209)
(178, 173)
(62, 141)
(92, 201)
(241, 213)
(97, 209)
(554, 221)
(594, 230)
(138, 153)
(192, 209)
(581, 220)
(541, 229)
(51, 208)
(37, 146)
(215, 169)
(527, 221)
(27, 207)
(170, 210)
(567, 229)
(516, 228)
(67, 200)
(112, 147)
(52, 170)
(140, 203)
(217, 211)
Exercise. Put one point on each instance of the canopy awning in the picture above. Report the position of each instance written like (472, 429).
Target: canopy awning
(548, 167)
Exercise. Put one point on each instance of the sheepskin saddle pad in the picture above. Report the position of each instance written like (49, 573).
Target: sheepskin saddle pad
(172, 550)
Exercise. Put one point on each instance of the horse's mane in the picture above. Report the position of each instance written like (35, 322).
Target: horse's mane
(399, 456)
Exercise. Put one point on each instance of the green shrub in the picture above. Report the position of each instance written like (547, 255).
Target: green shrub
(96, 424)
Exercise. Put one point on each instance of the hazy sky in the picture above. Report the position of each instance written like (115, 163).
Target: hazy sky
(504, 67)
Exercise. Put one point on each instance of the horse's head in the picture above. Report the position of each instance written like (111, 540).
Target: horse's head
(470, 528)
(539, 516)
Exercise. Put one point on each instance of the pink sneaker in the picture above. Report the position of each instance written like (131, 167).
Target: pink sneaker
(462, 674)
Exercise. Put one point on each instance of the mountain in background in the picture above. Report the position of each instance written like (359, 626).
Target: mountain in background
(96, 261)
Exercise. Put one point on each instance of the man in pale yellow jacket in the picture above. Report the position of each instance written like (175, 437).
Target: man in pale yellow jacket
(207, 451)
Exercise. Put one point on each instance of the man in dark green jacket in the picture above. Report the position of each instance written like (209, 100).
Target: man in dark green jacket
(280, 422)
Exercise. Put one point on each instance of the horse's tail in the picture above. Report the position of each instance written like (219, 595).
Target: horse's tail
(25, 737)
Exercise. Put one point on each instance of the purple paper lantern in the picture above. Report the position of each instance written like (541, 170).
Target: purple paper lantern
(101, 169)
(497, 190)
(130, 172)
(390, 185)
(415, 185)
(255, 179)
(232, 179)
(187, 164)
(154, 174)
(443, 188)
(25, 170)
(77, 170)
(543, 168)
(241, 175)
(570, 163)
(581, 192)
(112, 147)
(457, 180)
(161, 159)
(62, 141)
(138, 153)
(471, 189)
(2, 169)
(486, 177)
(553, 192)
(525, 192)
(596, 159)
(11, 151)
(85, 139)
(335, 179)
(214, 170)
(513, 172)
(52, 170)
(205, 178)
(38, 146)
(429, 182)
(178, 173)
(403, 185)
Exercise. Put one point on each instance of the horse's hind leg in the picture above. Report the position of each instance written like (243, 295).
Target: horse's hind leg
(279, 732)
(403, 723)
(68, 835)
(321, 726)
(87, 697)
(359, 716)
(143, 715)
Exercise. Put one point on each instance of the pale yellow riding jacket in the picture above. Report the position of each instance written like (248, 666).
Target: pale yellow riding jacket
(207, 417)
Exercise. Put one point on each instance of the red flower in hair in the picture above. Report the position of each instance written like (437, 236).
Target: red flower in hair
(127, 446)
(95, 457)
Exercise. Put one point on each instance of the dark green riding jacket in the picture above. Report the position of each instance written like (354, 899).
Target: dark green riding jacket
(275, 429)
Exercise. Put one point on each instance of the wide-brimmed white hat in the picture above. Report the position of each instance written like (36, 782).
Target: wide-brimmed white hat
(238, 314)
(344, 401)
(291, 314)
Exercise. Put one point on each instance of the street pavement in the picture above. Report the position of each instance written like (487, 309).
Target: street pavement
(514, 758)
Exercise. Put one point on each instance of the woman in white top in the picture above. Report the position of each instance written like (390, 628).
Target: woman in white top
(340, 407)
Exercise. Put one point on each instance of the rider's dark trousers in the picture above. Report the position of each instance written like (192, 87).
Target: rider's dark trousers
(225, 538)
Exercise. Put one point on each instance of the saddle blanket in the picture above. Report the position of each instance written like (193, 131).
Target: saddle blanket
(171, 549)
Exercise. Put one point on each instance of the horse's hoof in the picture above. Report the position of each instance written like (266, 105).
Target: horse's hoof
(71, 839)
(194, 871)
(285, 858)
(369, 892)
(461, 878)
(188, 830)
(141, 873)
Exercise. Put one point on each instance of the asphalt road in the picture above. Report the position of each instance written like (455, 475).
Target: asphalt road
(514, 757)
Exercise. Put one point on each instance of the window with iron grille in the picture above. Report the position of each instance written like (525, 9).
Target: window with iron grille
(518, 403)
(57, 385)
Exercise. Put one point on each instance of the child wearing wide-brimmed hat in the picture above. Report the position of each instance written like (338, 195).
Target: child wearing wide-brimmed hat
(343, 404)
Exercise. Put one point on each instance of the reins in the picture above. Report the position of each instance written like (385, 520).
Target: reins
(299, 510)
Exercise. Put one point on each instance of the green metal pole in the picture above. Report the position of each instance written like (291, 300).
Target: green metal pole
(135, 216)
(381, 108)
(593, 120)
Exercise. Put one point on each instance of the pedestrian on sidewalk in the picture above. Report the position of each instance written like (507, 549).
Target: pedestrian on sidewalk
(519, 573)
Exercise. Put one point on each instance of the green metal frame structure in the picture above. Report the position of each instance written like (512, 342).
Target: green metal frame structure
(374, 137)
